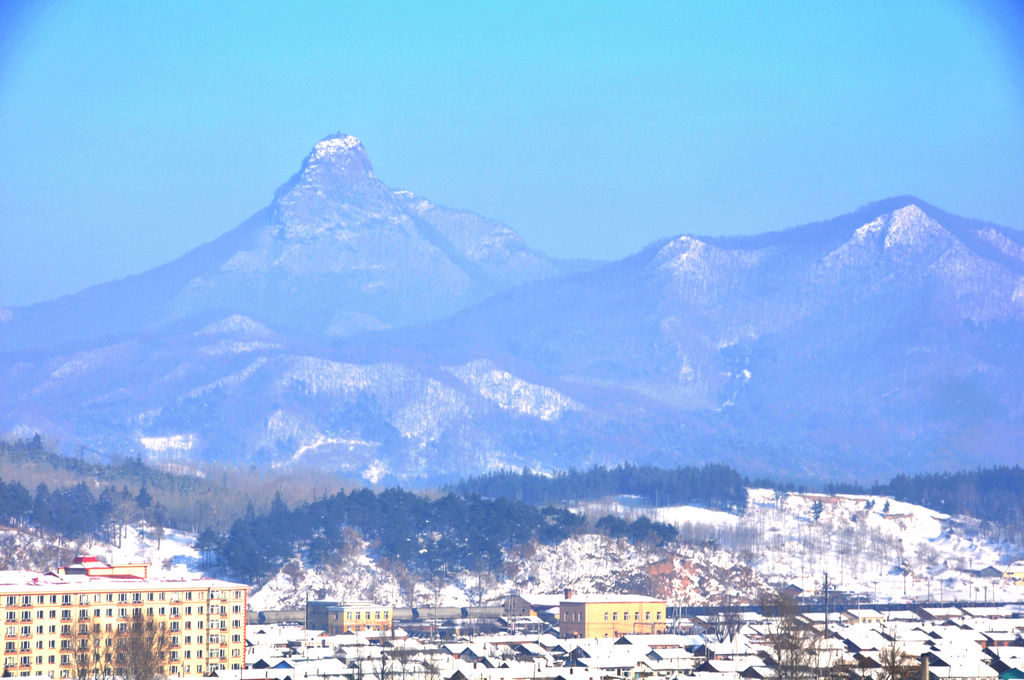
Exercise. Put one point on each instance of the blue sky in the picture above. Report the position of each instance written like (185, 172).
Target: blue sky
(132, 132)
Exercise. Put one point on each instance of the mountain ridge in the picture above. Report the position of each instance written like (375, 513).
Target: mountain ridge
(266, 264)
(356, 327)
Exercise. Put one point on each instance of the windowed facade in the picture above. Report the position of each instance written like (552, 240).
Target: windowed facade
(346, 617)
(611, 616)
(80, 619)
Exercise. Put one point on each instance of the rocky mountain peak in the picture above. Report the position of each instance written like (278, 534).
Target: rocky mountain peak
(340, 153)
(335, 187)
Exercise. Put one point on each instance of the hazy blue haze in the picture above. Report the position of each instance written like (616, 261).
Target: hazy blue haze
(132, 132)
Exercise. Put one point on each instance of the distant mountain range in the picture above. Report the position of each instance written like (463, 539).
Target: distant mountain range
(351, 326)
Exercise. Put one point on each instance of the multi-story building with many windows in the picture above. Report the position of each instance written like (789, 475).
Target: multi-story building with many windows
(77, 619)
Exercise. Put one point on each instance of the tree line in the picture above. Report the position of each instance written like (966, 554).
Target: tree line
(430, 536)
(990, 494)
(75, 512)
(712, 485)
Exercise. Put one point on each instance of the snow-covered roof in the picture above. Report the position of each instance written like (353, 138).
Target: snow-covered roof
(597, 598)
(28, 582)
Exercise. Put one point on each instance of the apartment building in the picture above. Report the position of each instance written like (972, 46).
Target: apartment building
(609, 615)
(77, 620)
(348, 617)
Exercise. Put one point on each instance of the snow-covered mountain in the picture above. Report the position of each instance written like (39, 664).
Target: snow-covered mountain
(336, 252)
(881, 341)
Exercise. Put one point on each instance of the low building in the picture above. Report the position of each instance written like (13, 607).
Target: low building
(1015, 573)
(530, 604)
(337, 618)
(72, 621)
(610, 616)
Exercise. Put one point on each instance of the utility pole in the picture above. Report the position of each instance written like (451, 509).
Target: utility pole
(825, 589)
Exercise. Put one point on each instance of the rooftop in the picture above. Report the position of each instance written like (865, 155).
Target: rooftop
(611, 598)
(25, 582)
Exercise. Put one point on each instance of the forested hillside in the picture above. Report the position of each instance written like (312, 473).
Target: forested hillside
(252, 524)
(714, 485)
(423, 535)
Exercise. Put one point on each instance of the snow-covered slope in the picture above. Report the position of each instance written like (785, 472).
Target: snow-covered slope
(872, 546)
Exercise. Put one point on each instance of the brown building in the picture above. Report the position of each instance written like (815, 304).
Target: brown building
(596, 616)
(70, 622)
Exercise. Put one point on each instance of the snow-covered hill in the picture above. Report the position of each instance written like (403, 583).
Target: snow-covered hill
(873, 546)
(870, 545)
(866, 544)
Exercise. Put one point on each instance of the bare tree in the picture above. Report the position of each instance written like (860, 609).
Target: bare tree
(381, 668)
(896, 664)
(141, 649)
(793, 643)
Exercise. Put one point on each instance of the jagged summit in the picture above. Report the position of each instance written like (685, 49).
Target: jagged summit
(337, 251)
(341, 151)
(337, 167)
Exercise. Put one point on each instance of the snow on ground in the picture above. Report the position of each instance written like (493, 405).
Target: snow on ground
(171, 556)
(353, 577)
(871, 545)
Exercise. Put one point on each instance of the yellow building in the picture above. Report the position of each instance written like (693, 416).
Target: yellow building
(70, 622)
(1015, 573)
(348, 617)
(597, 616)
